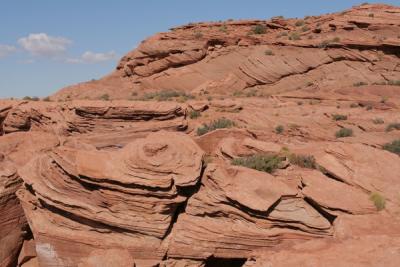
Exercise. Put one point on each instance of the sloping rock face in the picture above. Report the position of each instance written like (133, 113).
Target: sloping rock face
(272, 56)
(157, 183)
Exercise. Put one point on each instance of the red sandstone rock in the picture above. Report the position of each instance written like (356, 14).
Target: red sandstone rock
(125, 182)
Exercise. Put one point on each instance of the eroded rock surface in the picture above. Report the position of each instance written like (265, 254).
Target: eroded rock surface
(133, 182)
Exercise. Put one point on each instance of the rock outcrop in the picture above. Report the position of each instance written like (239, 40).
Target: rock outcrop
(309, 108)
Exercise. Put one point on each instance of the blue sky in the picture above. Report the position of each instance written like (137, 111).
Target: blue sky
(48, 44)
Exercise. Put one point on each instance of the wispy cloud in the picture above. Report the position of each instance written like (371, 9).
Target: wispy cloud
(92, 57)
(6, 50)
(41, 44)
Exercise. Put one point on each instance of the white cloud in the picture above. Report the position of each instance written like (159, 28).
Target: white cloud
(41, 44)
(91, 57)
(5, 50)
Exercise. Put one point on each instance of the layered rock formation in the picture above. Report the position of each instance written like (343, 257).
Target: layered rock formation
(155, 183)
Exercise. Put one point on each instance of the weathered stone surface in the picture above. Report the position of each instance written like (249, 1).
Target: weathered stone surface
(122, 199)
(237, 211)
(124, 182)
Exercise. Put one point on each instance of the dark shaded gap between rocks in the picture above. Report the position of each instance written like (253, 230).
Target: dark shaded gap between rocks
(224, 262)
(187, 192)
(331, 218)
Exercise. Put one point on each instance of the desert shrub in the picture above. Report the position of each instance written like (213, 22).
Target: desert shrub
(393, 126)
(299, 23)
(379, 200)
(354, 105)
(394, 82)
(194, 114)
(358, 84)
(384, 99)
(378, 121)
(299, 103)
(105, 97)
(294, 36)
(223, 28)
(344, 132)
(282, 34)
(279, 129)
(259, 29)
(268, 53)
(198, 35)
(393, 147)
(368, 107)
(305, 28)
(251, 93)
(371, 15)
(46, 99)
(339, 117)
(217, 124)
(324, 44)
(336, 39)
(262, 162)
(304, 161)
(33, 98)
(134, 94)
(166, 95)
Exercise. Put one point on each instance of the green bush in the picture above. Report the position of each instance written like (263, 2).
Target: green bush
(339, 117)
(217, 124)
(166, 95)
(393, 147)
(279, 129)
(268, 53)
(33, 98)
(394, 82)
(294, 36)
(105, 97)
(223, 28)
(263, 162)
(198, 35)
(194, 114)
(393, 126)
(304, 161)
(305, 28)
(344, 132)
(379, 200)
(259, 29)
(358, 84)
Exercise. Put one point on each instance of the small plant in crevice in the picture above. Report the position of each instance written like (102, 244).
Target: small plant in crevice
(194, 114)
(344, 132)
(304, 161)
(198, 35)
(393, 126)
(279, 129)
(294, 36)
(259, 29)
(268, 52)
(339, 117)
(262, 162)
(358, 84)
(105, 97)
(354, 105)
(393, 147)
(378, 200)
(217, 124)
(299, 23)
